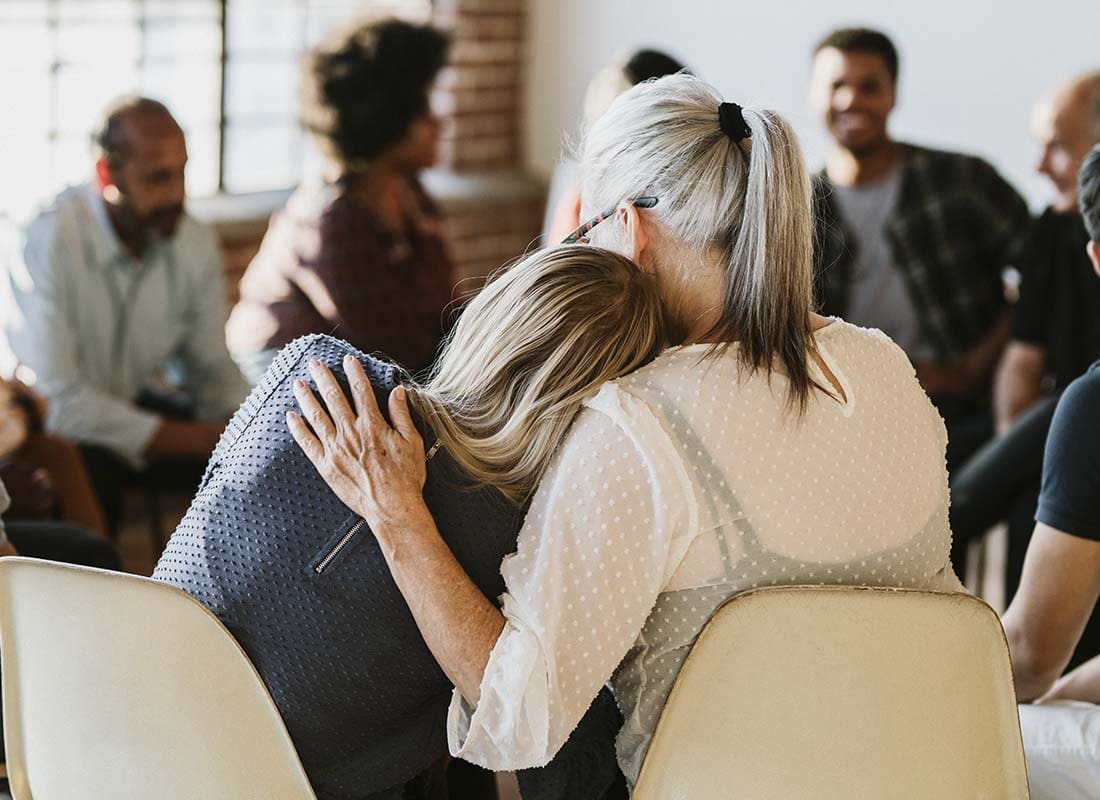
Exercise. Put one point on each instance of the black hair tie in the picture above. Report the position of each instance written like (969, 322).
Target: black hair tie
(732, 122)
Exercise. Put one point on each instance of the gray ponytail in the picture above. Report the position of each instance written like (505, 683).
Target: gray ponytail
(748, 200)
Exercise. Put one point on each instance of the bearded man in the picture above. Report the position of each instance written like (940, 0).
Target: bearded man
(113, 290)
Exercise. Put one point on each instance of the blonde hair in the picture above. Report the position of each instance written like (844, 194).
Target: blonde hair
(530, 348)
(750, 201)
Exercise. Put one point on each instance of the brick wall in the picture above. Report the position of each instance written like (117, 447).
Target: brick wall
(493, 211)
(480, 91)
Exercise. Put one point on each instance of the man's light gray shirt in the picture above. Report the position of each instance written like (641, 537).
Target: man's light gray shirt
(96, 325)
(879, 297)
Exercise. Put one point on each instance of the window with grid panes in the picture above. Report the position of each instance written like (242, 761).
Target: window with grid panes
(227, 69)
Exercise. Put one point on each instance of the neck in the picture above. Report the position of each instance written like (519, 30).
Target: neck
(375, 186)
(847, 168)
(693, 301)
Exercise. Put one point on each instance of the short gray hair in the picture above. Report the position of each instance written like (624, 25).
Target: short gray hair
(749, 200)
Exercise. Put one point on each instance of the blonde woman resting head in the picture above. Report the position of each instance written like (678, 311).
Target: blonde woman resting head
(770, 446)
(530, 348)
(265, 535)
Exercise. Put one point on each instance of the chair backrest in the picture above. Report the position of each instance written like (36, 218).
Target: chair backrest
(122, 687)
(841, 693)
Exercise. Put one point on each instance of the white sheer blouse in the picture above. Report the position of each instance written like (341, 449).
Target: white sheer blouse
(679, 486)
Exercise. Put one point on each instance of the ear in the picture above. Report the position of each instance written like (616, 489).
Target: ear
(635, 230)
(103, 177)
(1093, 249)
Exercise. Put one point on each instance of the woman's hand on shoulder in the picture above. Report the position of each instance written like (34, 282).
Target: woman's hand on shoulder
(376, 469)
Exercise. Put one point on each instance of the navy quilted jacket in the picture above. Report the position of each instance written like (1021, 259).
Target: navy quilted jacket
(280, 560)
(304, 588)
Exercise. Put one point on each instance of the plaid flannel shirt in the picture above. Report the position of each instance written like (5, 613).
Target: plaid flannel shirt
(956, 226)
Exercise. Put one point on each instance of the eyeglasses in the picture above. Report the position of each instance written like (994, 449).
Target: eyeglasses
(580, 235)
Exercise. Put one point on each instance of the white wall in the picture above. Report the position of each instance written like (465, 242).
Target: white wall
(970, 69)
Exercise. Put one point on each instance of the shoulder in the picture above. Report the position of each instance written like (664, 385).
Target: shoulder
(943, 159)
(341, 223)
(332, 208)
(847, 337)
(1071, 475)
(1076, 415)
(58, 218)
(613, 423)
(874, 362)
(949, 165)
(43, 247)
(330, 351)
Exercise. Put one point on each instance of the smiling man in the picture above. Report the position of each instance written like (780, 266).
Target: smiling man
(115, 285)
(913, 241)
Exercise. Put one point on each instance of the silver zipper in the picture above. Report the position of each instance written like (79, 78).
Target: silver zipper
(340, 545)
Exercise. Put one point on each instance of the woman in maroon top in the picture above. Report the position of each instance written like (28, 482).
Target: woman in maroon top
(362, 256)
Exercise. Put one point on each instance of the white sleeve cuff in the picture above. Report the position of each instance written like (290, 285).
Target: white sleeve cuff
(509, 729)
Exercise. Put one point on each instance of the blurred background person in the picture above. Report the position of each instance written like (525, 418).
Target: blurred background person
(563, 201)
(1061, 578)
(116, 288)
(33, 508)
(361, 257)
(1055, 338)
(43, 471)
(45, 488)
(914, 241)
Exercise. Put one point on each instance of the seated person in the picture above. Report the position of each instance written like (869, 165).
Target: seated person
(362, 257)
(1061, 578)
(35, 525)
(1055, 338)
(44, 471)
(115, 285)
(888, 257)
(773, 446)
(39, 537)
(563, 202)
(301, 583)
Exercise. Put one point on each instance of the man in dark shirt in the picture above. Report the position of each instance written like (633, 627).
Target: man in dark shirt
(913, 241)
(1061, 577)
(1055, 601)
(1055, 337)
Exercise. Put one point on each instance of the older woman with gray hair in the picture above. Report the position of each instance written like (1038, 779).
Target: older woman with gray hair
(770, 446)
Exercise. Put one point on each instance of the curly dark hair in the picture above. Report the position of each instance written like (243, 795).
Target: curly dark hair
(863, 40)
(363, 87)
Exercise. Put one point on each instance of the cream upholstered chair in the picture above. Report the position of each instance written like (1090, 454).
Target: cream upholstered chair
(120, 687)
(841, 693)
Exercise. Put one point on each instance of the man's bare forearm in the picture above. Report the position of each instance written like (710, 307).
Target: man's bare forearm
(1082, 683)
(1019, 382)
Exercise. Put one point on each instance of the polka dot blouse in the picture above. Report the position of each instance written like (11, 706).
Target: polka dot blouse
(678, 487)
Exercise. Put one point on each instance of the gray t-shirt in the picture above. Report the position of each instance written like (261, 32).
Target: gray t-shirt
(879, 297)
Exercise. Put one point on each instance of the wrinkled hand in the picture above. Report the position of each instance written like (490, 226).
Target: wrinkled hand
(377, 470)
